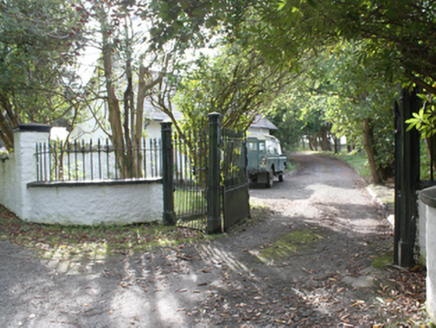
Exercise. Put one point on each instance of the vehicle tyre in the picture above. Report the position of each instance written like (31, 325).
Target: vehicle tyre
(280, 177)
(270, 182)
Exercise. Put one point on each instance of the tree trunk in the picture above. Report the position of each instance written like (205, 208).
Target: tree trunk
(112, 100)
(129, 118)
(6, 124)
(368, 137)
(138, 122)
(350, 145)
(313, 144)
(337, 144)
(324, 139)
(6, 133)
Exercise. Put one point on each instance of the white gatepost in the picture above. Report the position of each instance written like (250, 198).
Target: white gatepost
(428, 197)
(26, 136)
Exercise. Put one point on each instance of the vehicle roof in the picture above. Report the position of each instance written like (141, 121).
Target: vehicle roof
(263, 137)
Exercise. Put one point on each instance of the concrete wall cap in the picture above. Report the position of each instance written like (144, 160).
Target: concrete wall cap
(428, 196)
(32, 127)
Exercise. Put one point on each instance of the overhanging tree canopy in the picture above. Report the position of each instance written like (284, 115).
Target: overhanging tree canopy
(398, 34)
(238, 84)
(37, 45)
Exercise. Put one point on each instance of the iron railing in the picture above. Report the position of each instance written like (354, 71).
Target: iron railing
(93, 161)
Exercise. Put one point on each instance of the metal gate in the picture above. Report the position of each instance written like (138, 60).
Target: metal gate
(408, 179)
(190, 179)
(205, 177)
(235, 185)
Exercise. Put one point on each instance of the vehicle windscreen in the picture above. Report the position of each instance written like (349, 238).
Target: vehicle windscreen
(273, 147)
(270, 146)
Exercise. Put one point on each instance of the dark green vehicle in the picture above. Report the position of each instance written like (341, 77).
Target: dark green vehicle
(265, 159)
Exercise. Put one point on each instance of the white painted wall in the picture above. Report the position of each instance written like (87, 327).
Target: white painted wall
(25, 168)
(97, 203)
(431, 262)
(9, 188)
(153, 130)
(427, 228)
(68, 203)
(422, 223)
(90, 130)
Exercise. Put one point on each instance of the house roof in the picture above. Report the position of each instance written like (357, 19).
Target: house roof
(154, 114)
(261, 122)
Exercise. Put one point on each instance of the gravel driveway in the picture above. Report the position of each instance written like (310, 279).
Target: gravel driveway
(303, 260)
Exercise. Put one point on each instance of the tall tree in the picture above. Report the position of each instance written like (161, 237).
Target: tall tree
(38, 43)
(400, 34)
(286, 115)
(138, 53)
(236, 84)
(339, 95)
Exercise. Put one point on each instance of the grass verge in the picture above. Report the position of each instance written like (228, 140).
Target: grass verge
(358, 161)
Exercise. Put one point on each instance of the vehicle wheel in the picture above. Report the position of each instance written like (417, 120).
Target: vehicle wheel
(270, 182)
(280, 177)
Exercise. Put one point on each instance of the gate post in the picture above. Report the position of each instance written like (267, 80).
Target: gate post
(407, 178)
(398, 182)
(167, 176)
(214, 195)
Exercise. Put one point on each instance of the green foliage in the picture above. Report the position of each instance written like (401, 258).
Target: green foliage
(236, 84)
(425, 120)
(193, 21)
(38, 42)
(357, 92)
(338, 92)
(297, 114)
(398, 35)
(425, 162)
(290, 127)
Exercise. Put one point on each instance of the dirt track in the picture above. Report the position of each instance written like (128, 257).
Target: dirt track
(305, 263)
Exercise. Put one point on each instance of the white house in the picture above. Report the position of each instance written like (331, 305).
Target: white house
(90, 129)
(153, 118)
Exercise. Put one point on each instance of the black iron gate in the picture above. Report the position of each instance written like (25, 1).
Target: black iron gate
(235, 184)
(408, 179)
(407, 167)
(205, 177)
